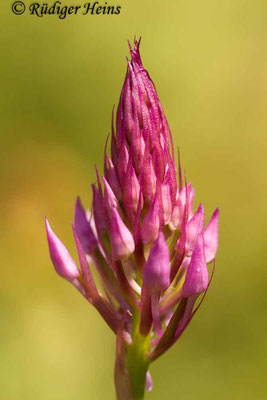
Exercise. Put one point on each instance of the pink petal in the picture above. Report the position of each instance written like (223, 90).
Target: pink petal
(211, 237)
(64, 265)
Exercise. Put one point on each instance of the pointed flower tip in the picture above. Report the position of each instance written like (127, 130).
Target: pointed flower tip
(211, 237)
(200, 212)
(157, 269)
(64, 265)
(121, 239)
(197, 276)
(135, 52)
(109, 198)
(136, 43)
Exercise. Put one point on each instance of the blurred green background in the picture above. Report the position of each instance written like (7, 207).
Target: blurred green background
(59, 81)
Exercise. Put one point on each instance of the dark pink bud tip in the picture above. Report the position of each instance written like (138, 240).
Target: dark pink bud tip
(64, 265)
(83, 228)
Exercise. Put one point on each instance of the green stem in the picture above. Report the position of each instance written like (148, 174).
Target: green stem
(137, 364)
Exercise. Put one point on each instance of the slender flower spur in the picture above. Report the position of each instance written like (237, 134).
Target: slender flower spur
(142, 236)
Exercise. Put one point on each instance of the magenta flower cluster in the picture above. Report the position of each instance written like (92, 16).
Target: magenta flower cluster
(143, 237)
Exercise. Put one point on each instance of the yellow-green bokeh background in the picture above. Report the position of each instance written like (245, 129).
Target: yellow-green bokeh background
(59, 81)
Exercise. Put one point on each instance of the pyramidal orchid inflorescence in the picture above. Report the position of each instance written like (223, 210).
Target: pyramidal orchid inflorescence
(142, 236)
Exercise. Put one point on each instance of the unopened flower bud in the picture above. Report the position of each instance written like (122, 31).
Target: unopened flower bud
(111, 176)
(142, 237)
(157, 270)
(64, 265)
(179, 207)
(197, 276)
(121, 239)
(110, 200)
(83, 228)
(147, 178)
(131, 192)
(150, 227)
